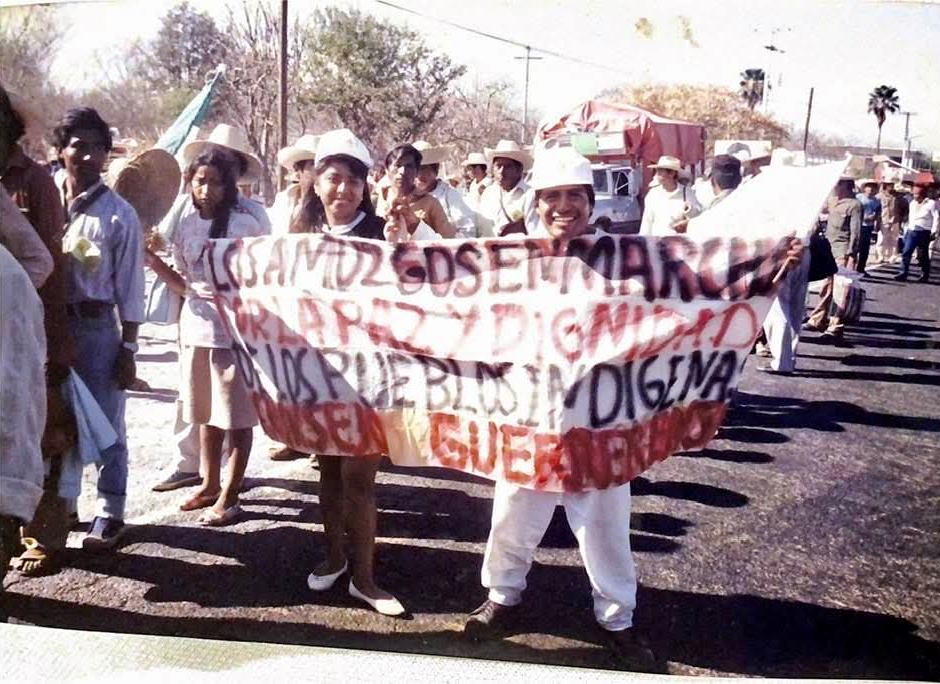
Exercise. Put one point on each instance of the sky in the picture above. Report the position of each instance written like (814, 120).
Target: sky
(842, 48)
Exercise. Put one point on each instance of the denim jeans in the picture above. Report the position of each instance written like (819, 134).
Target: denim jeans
(918, 240)
(864, 247)
(98, 341)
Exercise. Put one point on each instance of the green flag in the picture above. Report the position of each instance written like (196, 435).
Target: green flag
(193, 115)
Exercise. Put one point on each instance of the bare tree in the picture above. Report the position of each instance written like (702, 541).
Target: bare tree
(477, 116)
(249, 92)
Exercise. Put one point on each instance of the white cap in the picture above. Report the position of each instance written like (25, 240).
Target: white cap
(342, 141)
(558, 166)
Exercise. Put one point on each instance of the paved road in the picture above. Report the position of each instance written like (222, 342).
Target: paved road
(803, 542)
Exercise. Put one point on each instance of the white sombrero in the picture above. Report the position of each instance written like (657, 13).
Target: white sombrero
(558, 167)
(509, 149)
(232, 139)
(475, 159)
(305, 148)
(431, 154)
(667, 162)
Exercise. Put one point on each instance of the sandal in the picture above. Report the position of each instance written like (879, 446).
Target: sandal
(199, 501)
(35, 560)
(213, 519)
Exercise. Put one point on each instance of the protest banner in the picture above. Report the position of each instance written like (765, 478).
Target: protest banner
(560, 366)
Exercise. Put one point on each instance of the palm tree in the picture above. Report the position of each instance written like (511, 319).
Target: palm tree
(881, 101)
(752, 87)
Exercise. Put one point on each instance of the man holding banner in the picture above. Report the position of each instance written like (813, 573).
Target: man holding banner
(600, 519)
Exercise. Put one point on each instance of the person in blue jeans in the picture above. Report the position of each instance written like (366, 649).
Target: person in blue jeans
(871, 221)
(923, 225)
(105, 297)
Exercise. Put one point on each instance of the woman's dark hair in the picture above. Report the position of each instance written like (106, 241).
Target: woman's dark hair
(589, 189)
(78, 118)
(312, 215)
(400, 152)
(227, 166)
(13, 127)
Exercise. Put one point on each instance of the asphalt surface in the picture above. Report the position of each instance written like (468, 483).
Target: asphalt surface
(804, 542)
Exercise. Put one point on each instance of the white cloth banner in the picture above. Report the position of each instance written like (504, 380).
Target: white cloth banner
(561, 366)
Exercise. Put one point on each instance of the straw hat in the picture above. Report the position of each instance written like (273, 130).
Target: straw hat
(560, 166)
(509, 149)
(667, 162)
(150, 182)
(862, 182)
(304, 149)
(474, 159)
(343, 141)
(232, 139)
(431, 154)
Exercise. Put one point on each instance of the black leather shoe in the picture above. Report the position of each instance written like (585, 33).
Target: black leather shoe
(489, 621)
(901, 277)
(924, 279)
(632, 650)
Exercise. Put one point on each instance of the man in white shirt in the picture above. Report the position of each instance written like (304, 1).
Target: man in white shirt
(475, 166)
(600, 519)
(298, 159)
(922, 226)
(669, 205)
(428, 183)
(504, 202)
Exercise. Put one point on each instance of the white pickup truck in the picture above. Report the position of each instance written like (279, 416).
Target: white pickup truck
(616, 189)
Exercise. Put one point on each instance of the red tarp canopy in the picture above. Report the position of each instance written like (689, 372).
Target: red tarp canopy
(647, 136)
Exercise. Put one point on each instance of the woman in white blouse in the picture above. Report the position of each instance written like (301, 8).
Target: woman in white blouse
(212, 390)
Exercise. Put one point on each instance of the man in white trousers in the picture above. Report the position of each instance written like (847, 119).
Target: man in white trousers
(785, 319)
(600, 520)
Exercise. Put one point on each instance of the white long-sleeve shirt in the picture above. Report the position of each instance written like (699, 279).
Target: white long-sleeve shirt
(498, 207)
(662, 209)
(460, 215)
(923, 215)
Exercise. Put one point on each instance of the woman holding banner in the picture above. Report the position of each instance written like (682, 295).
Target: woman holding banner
(213, 392)
(338, 203)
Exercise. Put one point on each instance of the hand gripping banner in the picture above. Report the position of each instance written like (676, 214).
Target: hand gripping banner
(560, 366)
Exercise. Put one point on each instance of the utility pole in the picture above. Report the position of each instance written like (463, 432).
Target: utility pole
(906, 156)
(809, 110)
(282, 90)
(525, 102)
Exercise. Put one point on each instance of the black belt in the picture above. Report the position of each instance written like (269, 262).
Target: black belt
(89, 309)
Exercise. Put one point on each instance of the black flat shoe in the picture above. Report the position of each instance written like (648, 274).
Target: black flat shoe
(490, 621)
(632, 651)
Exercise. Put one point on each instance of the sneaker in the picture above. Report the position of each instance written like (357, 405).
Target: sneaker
(178, 480)
(489, 621)
(632, 650)
(104, 534)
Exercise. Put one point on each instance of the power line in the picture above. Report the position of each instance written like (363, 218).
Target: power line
(501, 39)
